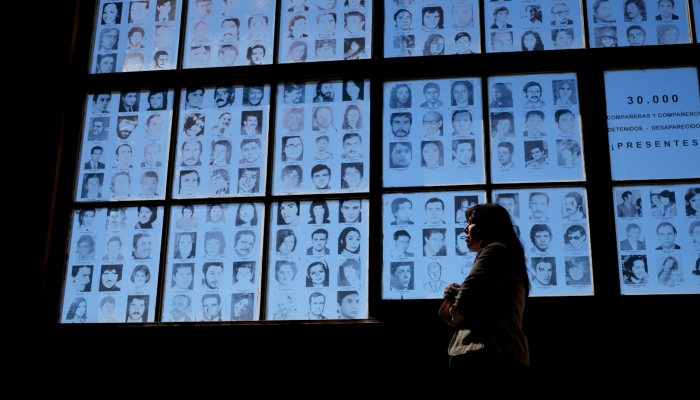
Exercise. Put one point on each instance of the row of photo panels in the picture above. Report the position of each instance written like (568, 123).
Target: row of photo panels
(434, 134)
(142, 35)
(318, 252)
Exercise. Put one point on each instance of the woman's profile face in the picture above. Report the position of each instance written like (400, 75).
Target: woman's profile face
(145, 215)
(185, 245)
(352, 241)
(402, 94)
(352, 89)
(695, 203)
(503, 126)
(216, 213)
(565, 91)
(431, 154)
(353, 117)
(156, 101)
(109, 14)
(529, 41)
(246, 212)
(80, 311)
(317, 274)
(287, 245)
(187, 213)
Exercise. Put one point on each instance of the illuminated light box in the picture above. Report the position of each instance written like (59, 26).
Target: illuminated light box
(113, 263)
(322, 137)
(325, 30)
(431, 28)
(318, 260)
(424, 248)
(137, 35)
(658, 238)
(227, 33)
(554, 230)
(654, 128)
(213, 263)
(222, 141)
(531, 26)
(124, 148)
(535, 128)
(433, 132)
(622, 23)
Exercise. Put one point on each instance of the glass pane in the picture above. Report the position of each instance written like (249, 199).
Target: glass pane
(422, 154)
(325, 30)
(125, 145)
(557, 251)
(223, 136)
(424, 251)
(227, 33)
(330, 240)
(696, 13)
(322, 141)
(522, 25)
(113, 262)
(545, 108)
(659, 120)
(138, 35)
(431, 28)
(207, 280)
(621, 23)
(658, 233)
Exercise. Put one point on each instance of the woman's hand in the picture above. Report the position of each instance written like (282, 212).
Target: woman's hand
(451, 291)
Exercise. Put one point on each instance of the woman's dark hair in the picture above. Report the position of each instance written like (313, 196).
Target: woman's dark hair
(283, 234)
(253, 222)
(494, 225)
(187, 207)
(342, 241)
(154, 213)
(539, 46)
(692, 192)
(74, 307)
(319, 203)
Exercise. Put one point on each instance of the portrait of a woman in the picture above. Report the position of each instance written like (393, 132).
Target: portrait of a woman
(400, 96)
(77, 312)
(185, 245)
(317, 274)
(146, 216)
(246, 215)
(349, 241)
(188, 220)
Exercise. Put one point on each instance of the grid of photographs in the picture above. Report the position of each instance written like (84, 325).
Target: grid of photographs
(440, 27)
(445, 152)
(112, 269)
(223, 135)
(227, 33)
(125, 145)
(330, 240)
(325, 30)
(554, 231)
(137, 35)
(424, 250)
(533, 118)
(658, 234)
(654, 128)
(622, 23)
(528, 25)
(207, 280)
(322, 140)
